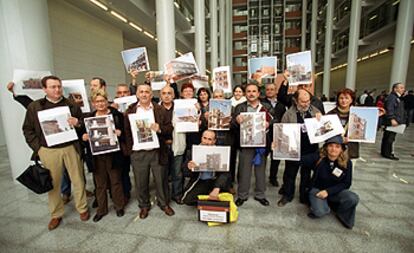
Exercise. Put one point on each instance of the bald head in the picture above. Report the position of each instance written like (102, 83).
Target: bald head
(303, 100)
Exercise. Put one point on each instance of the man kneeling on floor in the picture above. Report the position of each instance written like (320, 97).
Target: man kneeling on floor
(203, 183)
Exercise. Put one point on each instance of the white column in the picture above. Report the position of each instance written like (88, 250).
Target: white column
(304, 22)
(313, 32)
(200, 35)
(401, 53)
(222, 30)
(351, 69)
(25, 43)
(328, 47)
(213, 34)
(165, 31)
(229, 33)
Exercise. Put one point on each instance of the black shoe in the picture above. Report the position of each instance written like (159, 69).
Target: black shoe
(274, 182)
(95, 204)
(97, 217)
(263, 201)
(120, 212)
(312, 216)
(239, 202)
(391, 157)
(281, 190)
(178, 200)
(283, 201)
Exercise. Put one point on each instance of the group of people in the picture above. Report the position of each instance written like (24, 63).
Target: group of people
(325, 173)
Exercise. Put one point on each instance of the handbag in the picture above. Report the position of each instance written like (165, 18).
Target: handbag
(37, 178)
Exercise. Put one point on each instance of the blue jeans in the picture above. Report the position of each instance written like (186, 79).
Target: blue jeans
(343, 203)
(65, 187)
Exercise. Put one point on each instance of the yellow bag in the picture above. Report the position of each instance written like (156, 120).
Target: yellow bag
(225, 196)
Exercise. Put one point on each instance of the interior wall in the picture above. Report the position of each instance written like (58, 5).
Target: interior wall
(374, 73)
(84, 46)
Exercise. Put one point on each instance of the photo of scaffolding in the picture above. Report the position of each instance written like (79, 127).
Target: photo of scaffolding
(102, 136)
(299, 66)
(262, 70)
(136, 59)
(75, 90)
(144, 137)
(286, 142)
(55, 126)
(362, 125)
(222, 79)
(323, 129)
(253, 129)
(219, 116)
(185, 116)
(28, 82)
(181, 67)
(211, 158)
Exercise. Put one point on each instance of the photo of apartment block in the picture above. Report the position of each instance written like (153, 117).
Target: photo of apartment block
(253, 130)
(286, 142)
(139, 64)
(357, 128)
(102, 137)
(211, 158)
(324, 129)
(219, 116)
(144, 131)
(180, 68)
(51, 127)
(221, 80)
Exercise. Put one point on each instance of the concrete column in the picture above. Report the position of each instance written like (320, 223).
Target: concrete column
(213, 34)
(402, 45)
(229, 33)
(222, 31)
(165, 31)
(328, 47)
(25, 43)
(314, 25)
(304, 22)
(200, 35)
(353, 44)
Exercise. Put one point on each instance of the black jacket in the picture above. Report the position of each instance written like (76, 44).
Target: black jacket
(394, 108)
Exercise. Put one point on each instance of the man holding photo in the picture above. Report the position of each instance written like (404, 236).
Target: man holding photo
(251, 158)
(203, 183)
(53, 158)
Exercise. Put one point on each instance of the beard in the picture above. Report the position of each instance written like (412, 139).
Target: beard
(303, 109)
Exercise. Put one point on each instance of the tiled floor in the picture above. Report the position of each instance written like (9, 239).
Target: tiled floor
(384, 221)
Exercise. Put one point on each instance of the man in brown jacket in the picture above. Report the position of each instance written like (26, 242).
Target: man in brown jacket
(53, 158)
(153, 159)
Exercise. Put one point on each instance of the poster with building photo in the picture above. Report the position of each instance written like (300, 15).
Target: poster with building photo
(219, 116)
(222, 79)
(362, 124)
(124, 102)
(136, 59)
(75, 91)
(253, 129)
(299, 66)
(185, 116)
(286, 141)
(181, 67)
(323, 129)
(263, 69)
(211, 158)
(198, 81)
(157, 80)
(28, 82)
(144, 137)
(55, 126)
(102, 136)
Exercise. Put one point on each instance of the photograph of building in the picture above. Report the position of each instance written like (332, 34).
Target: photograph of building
(51, 127)
(362, 125)
(139, 64)
(253, 130)
(300, 67)
(77, 98)
(144, 131)
(262, 68)
(32, 83)
(286, 141)
(211, 158)
(74, 89)
(221, 80)
(324, 129)
(180, 68)
(102, 137)
(219, 116)
(186, 115)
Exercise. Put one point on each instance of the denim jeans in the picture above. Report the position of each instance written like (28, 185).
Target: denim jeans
(65, 187)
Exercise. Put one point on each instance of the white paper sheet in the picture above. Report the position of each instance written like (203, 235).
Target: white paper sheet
(75, 91)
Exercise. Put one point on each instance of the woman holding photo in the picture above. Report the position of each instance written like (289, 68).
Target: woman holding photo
(331, 180)
(106, 167)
